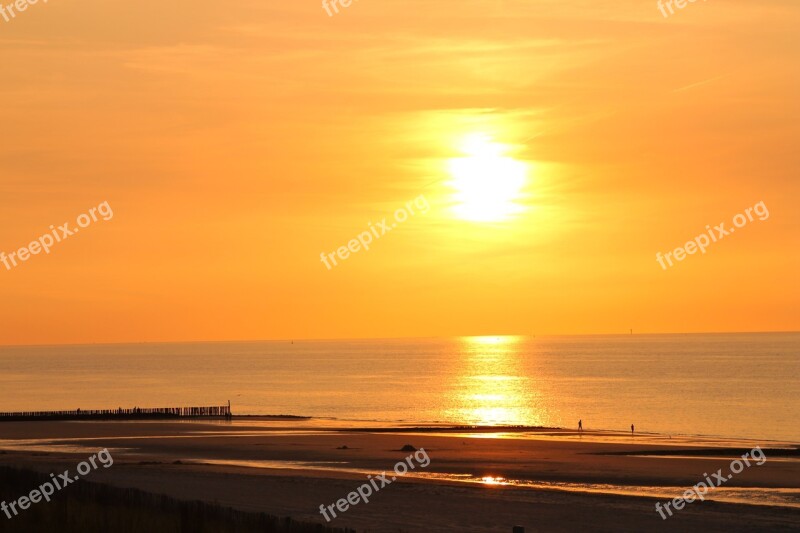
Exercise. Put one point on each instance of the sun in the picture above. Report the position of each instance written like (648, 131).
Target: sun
(487, 182)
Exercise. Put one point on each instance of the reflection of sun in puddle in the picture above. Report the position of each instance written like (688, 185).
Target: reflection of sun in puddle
(492, 480)
(742, 495)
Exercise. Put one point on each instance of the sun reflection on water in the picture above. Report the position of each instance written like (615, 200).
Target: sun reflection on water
(492, 387)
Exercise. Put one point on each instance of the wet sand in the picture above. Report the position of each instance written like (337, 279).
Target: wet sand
(478, 479)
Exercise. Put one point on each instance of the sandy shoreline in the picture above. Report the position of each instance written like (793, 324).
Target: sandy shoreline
(478, 479)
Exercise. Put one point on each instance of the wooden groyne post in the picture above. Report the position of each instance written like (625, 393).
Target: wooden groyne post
(136, 413)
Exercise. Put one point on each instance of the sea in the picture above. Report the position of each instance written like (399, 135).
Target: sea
(743, 385)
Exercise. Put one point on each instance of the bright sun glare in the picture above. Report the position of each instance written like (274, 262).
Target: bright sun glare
(487, 182)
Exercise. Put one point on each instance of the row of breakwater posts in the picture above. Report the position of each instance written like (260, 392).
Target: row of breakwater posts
(136, 413)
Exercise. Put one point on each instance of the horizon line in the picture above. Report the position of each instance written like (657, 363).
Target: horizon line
(344, 339)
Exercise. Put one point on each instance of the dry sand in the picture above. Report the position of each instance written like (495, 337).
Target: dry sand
(289, 468)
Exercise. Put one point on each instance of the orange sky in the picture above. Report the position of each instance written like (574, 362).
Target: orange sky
(237, 141)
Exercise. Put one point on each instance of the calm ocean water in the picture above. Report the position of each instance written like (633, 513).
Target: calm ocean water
(737, 385)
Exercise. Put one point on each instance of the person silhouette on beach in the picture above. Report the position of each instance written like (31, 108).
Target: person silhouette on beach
(580, 426)
(631, 429)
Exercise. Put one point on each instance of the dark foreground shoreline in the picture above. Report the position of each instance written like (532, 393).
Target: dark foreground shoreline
(593, 481)
(89, 507)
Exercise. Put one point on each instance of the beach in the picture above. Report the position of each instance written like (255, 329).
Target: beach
(477, 479)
